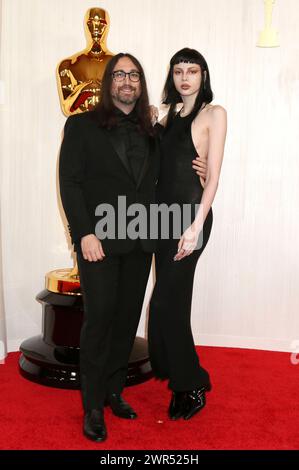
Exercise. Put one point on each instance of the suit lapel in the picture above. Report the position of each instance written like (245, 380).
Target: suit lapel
(118, 144)
(150, 149)
(145, 163)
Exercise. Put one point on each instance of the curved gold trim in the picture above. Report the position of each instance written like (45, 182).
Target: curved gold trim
(62, 281)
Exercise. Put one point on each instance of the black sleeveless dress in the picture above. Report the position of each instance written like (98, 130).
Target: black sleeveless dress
(171, 346)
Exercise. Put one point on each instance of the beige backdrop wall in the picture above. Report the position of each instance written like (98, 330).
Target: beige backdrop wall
(3, 338)
(246, 285)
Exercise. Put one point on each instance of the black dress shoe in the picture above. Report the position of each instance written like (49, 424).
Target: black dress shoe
(94, 425)
(120, 407)
(177, 405)
(195, 400)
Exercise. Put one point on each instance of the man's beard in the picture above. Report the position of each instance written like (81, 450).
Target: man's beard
(126, 100)
(121, 98)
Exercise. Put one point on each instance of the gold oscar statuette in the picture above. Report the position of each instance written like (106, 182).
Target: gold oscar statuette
(269, 36)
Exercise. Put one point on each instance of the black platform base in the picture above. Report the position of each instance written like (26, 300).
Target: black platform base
(52, 358)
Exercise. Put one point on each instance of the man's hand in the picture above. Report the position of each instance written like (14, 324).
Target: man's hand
(92, 248)
(200, 166)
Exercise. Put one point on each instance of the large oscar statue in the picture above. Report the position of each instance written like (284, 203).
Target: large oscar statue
(52, 358)
(79, 76)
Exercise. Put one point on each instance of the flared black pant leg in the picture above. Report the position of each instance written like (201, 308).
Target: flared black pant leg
(171, 345)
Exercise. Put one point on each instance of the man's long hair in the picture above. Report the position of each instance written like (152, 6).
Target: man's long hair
(170, 94)
(104, 112)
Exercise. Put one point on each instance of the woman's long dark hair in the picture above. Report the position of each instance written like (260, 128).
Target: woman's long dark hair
(104, 112)
(172, 97)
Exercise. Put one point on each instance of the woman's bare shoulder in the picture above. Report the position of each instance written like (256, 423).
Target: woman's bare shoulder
(216, 110)
(216, 116)
(209, 113)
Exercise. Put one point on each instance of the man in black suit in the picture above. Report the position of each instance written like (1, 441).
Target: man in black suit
(106, 153)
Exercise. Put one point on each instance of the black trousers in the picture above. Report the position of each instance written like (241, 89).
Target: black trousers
(113, 293)
(171, 345)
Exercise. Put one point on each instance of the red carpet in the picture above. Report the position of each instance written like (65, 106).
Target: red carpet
(253, 405)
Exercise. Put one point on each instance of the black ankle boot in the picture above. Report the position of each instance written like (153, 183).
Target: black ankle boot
(195, 401)
(177, 405)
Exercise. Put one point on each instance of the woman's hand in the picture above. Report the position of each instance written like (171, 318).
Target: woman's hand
(92, 248)
(154, 111)
(200, 167)
(188, 241)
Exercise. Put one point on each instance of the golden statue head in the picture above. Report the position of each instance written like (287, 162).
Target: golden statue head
(96, 24)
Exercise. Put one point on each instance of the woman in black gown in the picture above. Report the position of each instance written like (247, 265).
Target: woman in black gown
(198, 125)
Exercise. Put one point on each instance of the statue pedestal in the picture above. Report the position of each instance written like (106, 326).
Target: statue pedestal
(52, 358)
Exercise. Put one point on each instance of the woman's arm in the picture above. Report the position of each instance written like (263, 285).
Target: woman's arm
(217, 135)
(163, 121)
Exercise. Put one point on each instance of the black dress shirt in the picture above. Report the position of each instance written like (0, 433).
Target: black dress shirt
(135, 142)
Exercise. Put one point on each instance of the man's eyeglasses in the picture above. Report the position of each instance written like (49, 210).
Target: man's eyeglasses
(120, 75)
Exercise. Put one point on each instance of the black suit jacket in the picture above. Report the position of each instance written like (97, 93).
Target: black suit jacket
(93, 169)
